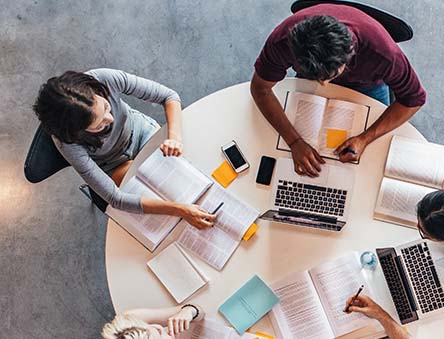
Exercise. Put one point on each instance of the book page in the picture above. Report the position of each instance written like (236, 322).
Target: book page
(305, 112)
(397, 201)
(173, 178)
(149, 229)
(335, 281)
(300, 314)
(212, 245)
(176, 273)
(207, 329)
(234, 217)
(344, 116)
(415, 161)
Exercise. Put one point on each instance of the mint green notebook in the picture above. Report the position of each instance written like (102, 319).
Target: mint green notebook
(249, 304)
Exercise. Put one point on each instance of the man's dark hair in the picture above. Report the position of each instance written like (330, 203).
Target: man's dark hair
(430, 211)
(321, 45)
(64, 107)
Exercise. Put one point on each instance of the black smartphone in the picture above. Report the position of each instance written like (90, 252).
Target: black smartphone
(265, 171)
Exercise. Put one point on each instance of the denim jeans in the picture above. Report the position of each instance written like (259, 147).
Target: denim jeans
(380, 93)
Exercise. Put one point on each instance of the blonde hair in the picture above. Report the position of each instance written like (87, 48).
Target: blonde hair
(130, 327)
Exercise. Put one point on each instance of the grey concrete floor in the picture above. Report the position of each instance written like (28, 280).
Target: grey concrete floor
(53, 279)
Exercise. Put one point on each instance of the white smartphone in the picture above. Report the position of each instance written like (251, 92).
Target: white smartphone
(235, 157)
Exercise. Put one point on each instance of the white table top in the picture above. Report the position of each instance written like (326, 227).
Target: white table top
(275, 250)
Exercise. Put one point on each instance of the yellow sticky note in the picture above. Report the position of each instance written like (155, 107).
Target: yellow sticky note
(264, 335)
(335, 137)
(224, 174)
(250, 232)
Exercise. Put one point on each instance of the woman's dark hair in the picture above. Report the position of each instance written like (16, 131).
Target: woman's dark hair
(430, 211)
(64, 107)
(321, 45)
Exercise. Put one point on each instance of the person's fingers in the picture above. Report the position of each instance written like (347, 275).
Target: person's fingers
(318, 157)
(341, 147)
(176, 326)
(204, 224)
(163, 149)
(309, 170)
(315, 163)
(208, 216)
(170, 327)
(298, 169)
(348, 157)
(187, 324)
(176, 151)
(181, 327)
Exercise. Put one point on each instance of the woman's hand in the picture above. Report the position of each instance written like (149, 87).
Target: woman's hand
(180, 321)
(171, 147)
(197, 216)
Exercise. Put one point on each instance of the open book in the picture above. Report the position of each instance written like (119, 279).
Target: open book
(312, 301)
(413, 169)
(178, 272)
(323, 123)
(215, 245)
(211, 329)
(163, 178)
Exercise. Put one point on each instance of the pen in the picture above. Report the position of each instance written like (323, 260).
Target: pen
(354, 298)
(217, 208)
(349, 150)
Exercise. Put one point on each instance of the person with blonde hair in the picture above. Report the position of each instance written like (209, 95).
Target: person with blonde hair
(146, 323)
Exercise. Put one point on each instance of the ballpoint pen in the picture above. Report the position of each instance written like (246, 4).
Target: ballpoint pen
(354, 298)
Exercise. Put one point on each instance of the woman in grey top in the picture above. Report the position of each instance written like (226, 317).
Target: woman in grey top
(99, 134)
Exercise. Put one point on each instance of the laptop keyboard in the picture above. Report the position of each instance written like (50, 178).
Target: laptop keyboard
(310, 198)
(428, 289)
(387, 259)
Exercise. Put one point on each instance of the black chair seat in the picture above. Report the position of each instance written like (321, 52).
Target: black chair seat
(398, 29)
(43, 159)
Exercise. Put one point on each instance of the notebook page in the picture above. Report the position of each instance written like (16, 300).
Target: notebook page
(212, 245)
(173, 178)
(176, 273)
(300, 314)
(305, 112)
(397, 201)
(234, 217)
(149, 229)
(341, 115)
(416, 161)
(335, 281)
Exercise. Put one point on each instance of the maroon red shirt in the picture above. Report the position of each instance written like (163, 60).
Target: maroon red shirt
(377, 59)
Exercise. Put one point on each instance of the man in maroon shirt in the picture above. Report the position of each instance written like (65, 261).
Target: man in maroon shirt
(345, 46)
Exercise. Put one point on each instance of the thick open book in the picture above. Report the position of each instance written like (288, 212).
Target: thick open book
(312, 301)
(413, 169)
(215, 245)
(323, 123)
(163, 178)
(211, 329)
(178, 272)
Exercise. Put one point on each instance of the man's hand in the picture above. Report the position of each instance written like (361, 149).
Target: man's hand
(306, 159)
(351, 149)
(366, 306)
(171, 147)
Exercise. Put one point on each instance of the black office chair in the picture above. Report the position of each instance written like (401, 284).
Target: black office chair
(398, 29)
(44, 160)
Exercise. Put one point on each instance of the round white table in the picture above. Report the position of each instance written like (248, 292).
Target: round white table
(275, 250)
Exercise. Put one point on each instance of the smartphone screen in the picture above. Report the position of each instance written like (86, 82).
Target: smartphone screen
(236, 158)
(265, 171)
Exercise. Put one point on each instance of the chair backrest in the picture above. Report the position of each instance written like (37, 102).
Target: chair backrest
(395, 26)
(43, 159)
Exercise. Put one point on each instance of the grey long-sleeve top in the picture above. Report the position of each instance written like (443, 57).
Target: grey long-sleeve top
(86, 162)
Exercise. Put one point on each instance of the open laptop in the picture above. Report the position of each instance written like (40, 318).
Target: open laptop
(412, 272)
(322, 202)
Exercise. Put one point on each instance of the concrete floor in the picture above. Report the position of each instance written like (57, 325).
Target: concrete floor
(53, 280)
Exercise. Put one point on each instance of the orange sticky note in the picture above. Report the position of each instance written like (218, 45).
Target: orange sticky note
(335, 137)
(224, 174)
(264, 335)
(250, 232)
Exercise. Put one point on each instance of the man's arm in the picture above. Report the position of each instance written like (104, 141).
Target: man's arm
(394, 116)
(306, 159)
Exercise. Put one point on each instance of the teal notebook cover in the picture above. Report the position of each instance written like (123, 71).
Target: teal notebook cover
(249, 304)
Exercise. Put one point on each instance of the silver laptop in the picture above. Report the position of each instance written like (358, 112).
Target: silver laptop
(413, 273)
(322, 202)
